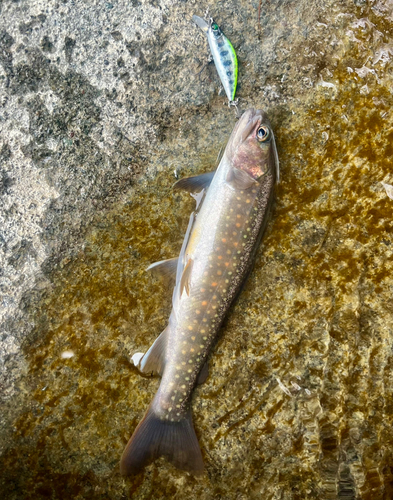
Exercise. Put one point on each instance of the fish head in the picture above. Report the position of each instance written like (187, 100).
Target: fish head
(251, 149)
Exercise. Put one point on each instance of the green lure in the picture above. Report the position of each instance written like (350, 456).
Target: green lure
(223, 53)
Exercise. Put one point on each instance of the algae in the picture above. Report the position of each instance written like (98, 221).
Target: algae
(298, 401)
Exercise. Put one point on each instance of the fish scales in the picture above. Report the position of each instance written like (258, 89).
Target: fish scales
(215, 259)
(223, 260)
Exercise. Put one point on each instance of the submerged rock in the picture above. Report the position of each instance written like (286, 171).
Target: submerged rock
(99, 105)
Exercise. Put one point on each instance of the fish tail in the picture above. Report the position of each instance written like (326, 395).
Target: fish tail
(155, 437)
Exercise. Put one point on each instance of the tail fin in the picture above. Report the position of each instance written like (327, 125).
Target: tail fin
(154, 437)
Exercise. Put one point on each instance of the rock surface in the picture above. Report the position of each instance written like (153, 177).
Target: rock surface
(100, 104)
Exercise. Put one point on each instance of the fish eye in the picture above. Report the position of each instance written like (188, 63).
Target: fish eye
(263, 133)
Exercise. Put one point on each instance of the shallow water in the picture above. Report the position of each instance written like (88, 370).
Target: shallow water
(298, 401)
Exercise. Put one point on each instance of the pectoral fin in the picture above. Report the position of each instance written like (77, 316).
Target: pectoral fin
(165, 269)
(154, 360)
(196, 183)
(239, 179)
(186, 278)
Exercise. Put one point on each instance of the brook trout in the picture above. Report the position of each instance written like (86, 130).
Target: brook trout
(216, 257)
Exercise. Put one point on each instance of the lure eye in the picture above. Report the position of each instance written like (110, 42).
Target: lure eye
(214, 27)
(263, 133)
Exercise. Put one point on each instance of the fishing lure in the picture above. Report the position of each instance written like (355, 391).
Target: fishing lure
(223, 53)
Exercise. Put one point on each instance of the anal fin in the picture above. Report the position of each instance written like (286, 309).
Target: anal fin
(154, 360)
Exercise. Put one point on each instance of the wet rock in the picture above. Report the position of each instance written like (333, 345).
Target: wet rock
(100, 105)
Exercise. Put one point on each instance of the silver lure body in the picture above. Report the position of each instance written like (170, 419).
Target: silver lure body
(223, 53)
(216, 256)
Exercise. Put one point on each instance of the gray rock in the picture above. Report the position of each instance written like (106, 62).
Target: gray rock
(100, 104)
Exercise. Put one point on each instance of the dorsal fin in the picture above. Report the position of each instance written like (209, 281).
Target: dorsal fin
(203, 374)
(196, 183)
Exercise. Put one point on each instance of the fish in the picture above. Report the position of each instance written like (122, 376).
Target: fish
(223, 234)
(223, 53)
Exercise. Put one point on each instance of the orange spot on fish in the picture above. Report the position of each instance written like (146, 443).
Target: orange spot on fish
(219, 273)
(224, 240)
(226, 264)
(190, 327)
(235, 244)
(238, 224)
(219, 257)
(204, 303)
(214, 283)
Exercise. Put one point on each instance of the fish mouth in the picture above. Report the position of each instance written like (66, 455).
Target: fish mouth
(249, 120)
